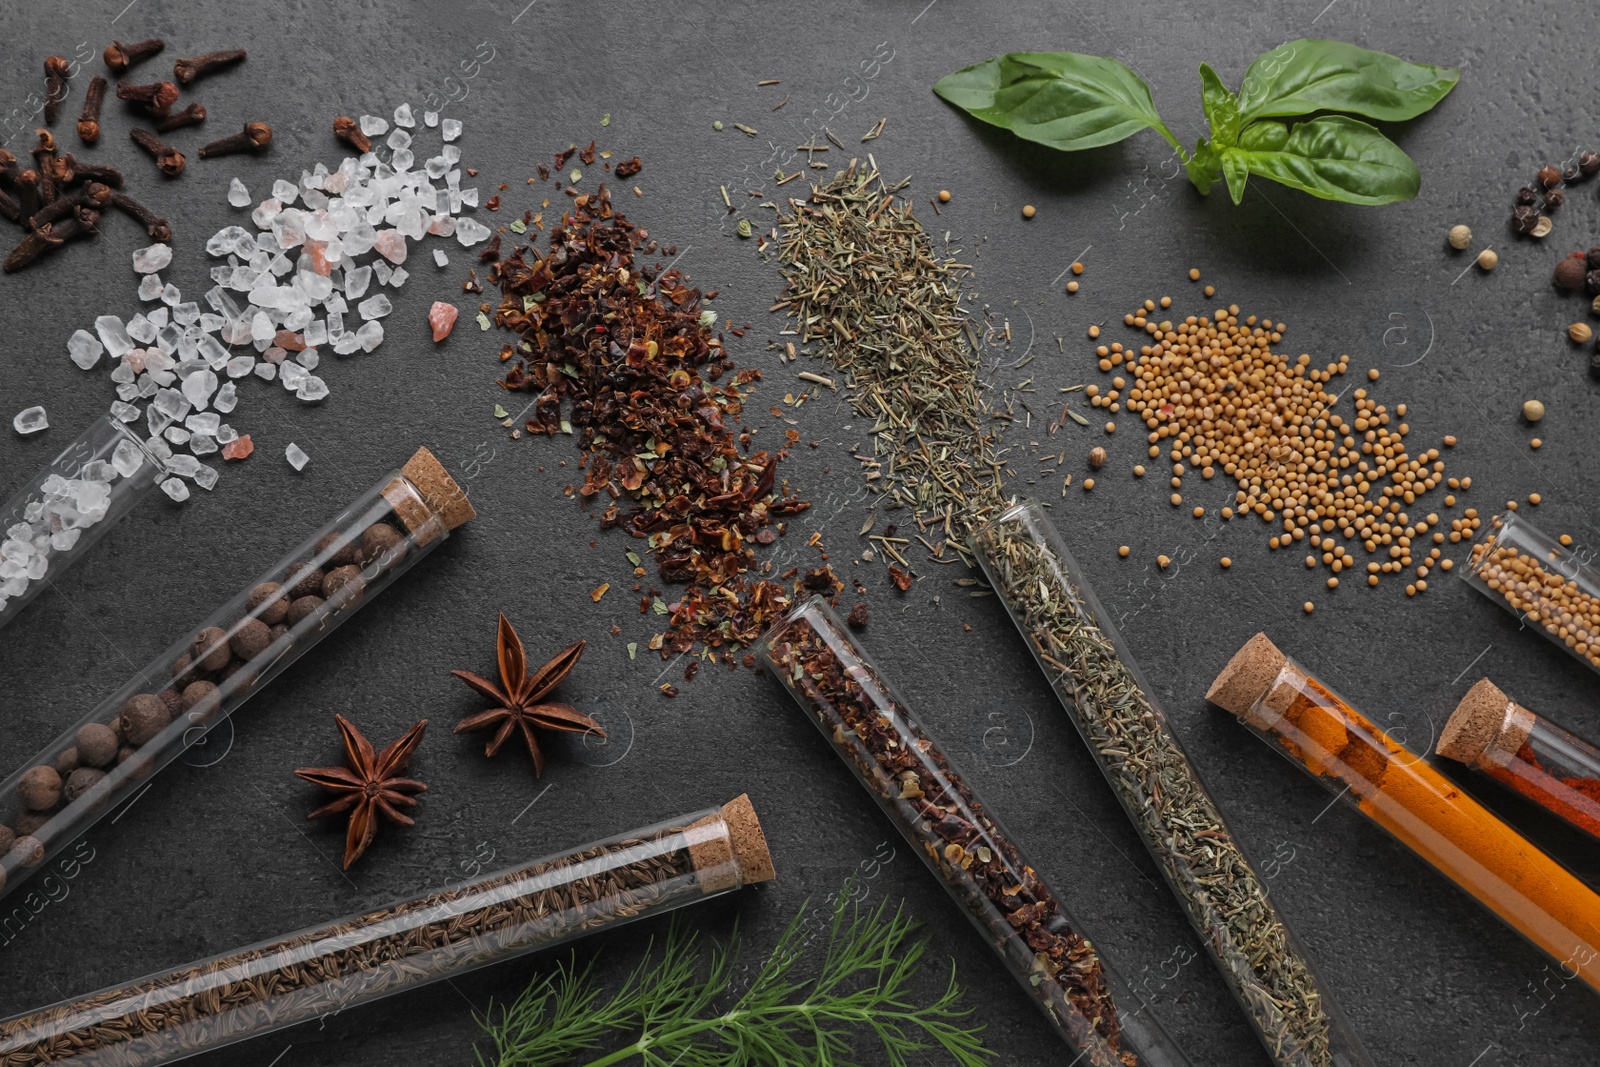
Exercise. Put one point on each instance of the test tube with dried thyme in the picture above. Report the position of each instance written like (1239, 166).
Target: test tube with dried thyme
(1074, 642)
(317, 972)
(1541, 579)
(58, 515)
(172, 703)
(966, 848)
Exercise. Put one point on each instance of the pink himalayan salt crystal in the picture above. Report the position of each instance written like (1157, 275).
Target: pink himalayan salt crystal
(391, 245)
(135, 360)
(289, 341)
(274, 354)
(442, 317)
(336, 183)
(239, 448)
(318, 251)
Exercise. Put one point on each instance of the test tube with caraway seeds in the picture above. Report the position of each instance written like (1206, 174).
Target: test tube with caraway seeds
(935, 808)
(1308, 723)
(1100, 687)
(1541, 581)
(169, 706)
(1526, 753)
(322, 971)
(54, 519)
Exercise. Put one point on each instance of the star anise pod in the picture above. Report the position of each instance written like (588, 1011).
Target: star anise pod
(370, 786)
(520, 697)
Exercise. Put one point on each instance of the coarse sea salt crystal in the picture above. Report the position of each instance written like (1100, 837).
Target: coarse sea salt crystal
(177, 435)
(312, 389)
(296, 456)
(403, 116)
(127, 458)
(266, 371)
(430, 118)
(152, 258)
(31, 420)
(150, 287)
(238, 194)
(440, 258)
(175, 489)
(372, 125)
(202, 444)
(84, 349)
(370, 335)
(113, 335)
(227, 398)
(375, 307)
(450, 129)
(198, 387)
(206, 478)
(239, 366)
(124, 412)
(183, 466)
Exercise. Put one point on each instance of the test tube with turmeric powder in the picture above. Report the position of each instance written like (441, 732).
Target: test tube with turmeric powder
(1528, 754)
(1421, 808)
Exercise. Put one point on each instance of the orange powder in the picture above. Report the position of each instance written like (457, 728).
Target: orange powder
(1403, 794)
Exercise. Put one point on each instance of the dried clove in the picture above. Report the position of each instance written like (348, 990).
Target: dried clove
(56, 72)
(157, 98)
(94, 195)
(157, 227)
(70, 170)
(187, 70)
(89, 121)
(193, 115)
(9, 208)
(44, 160)
(119, 57)
(168, 159)
(255, 137)
(349, 131)
(51, 237)
(28, 197)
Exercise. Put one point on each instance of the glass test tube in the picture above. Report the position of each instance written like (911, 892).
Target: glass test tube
(170, 705)
(1324, 736)
(62, 511)
(322, 971)
(962, 843)
(1537, 579)
(1528, 754)
(1103, 692)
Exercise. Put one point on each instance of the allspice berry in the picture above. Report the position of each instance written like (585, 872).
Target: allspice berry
(28, 851)
(1569, 272)
(1460, 236)
(29, 823)
(8, 838)
(67, 762)
(343, 585)
(172, 700)
(143, 717)
(304, 608)
(1580, 332)
(210, 649)
(200, 698)
(39, 788)
(251, 639)
(1097, 457)
(271, 595)
(97, 744)
(378, 539)
(304, 580)
(348, 549)
(81, 781)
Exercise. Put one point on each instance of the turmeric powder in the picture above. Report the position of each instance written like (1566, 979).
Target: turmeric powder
(1421, 808)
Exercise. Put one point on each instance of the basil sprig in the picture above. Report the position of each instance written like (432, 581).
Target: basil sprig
(1072, 101)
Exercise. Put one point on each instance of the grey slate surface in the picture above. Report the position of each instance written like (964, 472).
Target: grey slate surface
(217, 856)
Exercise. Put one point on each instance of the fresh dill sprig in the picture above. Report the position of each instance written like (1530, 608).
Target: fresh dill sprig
(665, 1012)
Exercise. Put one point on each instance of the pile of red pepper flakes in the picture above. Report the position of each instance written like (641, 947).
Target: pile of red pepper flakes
(626, 352)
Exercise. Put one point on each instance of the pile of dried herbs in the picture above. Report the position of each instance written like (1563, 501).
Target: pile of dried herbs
(868, 287)
(624, 356)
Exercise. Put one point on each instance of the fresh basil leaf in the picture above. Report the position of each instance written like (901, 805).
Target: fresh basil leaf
(1202, 166)
(1221, 106)
(1304, 76)
(1065, 100)
(1337, 158)
(1264, 136)
(1236, 170)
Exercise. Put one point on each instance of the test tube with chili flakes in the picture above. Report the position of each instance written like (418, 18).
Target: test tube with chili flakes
(1543, 580)
(169, 706)
(1303, 719)
(1530, 755)
(935, 808)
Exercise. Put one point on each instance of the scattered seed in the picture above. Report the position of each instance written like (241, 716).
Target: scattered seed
(1123, 551)
(944, 196)
(1029, 211)
(1532, 410)
(1488, 259)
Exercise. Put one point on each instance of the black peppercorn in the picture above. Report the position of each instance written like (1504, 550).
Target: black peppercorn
(1569, 272)
(80, 782)
(67, 762)
(1589, 164)
(304, 580)
(343, 586)
(1593, 257)
(1570, 174)
(1591, 283)
(210, 649)
(382, 541)
(345, 549)
(143, 717)
(251, 639)
(1524, 219)
(28, 850)
(1527, 195)
(1554, 199)
(97, 744)
(1594, 364)
(1549, 176)
(304, 608)
(276, 606)
(39, 788)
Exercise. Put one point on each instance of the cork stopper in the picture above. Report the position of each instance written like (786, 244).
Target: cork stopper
(1485, 719)
(1248, 676)
(441, 491)
(724, 861)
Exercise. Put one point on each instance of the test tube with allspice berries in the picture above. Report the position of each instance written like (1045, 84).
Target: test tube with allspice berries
(173, 702)
(1306, 721)
(935, 808)
(322, 971)
(1527, 754)
(1544, 580)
